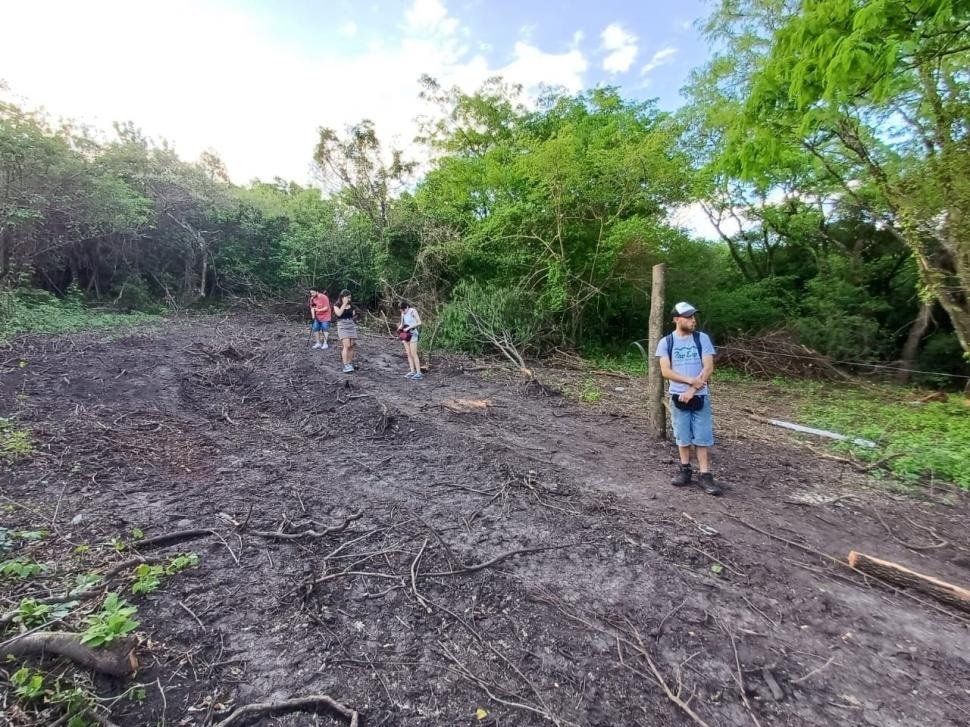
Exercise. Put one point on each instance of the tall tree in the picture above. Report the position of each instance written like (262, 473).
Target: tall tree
(876, 93)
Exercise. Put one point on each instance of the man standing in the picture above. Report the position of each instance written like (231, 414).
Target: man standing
(687, 362)
(321, 314)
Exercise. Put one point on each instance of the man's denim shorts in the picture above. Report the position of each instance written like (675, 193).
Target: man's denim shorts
(693, 427)
(320, 326)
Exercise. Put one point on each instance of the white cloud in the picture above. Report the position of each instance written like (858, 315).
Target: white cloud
(661, 58)
(578, 37)
(532, 67)
(622, 46)
(254, 97)
(349, 29)
(430, 16)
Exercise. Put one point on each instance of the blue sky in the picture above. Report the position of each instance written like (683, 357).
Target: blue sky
(253, 79)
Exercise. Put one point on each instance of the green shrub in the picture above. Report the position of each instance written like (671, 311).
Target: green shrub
(28, 310)
(928, 439)
(477, 314)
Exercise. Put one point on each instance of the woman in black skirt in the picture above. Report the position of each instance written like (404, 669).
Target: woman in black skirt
(346, 330)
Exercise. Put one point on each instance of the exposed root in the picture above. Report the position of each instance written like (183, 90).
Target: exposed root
(311, 703)
(117, 661)
(309, 533)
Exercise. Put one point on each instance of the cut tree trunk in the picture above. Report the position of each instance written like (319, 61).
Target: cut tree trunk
(117, 661)
(955, 596)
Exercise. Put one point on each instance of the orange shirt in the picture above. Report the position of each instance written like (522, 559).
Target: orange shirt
(322, 305)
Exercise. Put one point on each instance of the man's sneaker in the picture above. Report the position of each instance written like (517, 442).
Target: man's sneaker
(325, 345)
(683, 476)
(409, 375)
(706, 480)
(417, 376)
(348, 368)
(317, 345)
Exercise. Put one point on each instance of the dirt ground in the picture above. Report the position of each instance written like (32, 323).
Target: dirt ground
(526, 557)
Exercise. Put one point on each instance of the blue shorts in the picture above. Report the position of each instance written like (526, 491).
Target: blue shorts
(693, 427)
(415, 335)
(320, 326)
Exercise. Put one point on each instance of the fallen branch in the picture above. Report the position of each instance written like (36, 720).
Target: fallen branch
(117, 661)
(656, 677)
(310, 533)
(245, 714)
(180, 536)
(885, 570)
(844, 564)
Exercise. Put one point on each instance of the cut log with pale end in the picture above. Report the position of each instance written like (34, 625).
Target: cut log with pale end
(117, 661)
(948, 593)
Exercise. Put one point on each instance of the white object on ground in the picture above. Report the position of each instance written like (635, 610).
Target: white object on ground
(822, 433)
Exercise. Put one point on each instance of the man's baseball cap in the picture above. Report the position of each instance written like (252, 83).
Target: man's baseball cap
(684, 309)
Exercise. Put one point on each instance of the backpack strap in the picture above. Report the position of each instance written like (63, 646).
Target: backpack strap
(697, 345)
(669, 338)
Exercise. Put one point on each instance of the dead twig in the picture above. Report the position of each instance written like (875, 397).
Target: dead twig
(719, 562)
(497, 559)
(813, 672)
(191, 613)
(739, 677)
(414, 577)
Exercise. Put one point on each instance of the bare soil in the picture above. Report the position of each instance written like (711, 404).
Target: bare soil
(613, 582)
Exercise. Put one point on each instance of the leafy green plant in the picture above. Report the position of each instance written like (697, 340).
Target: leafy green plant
(28, 684)
(84, 582)
(137, 533)
(589, 392)
(113, 621)
(20, 568)
(32, 613)
(148, 577)
(180, 562)
(15, 442)
(6, 539)
(117, 544)
(32, 534)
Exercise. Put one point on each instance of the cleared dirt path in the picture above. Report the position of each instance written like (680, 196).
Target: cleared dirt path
(210, 422)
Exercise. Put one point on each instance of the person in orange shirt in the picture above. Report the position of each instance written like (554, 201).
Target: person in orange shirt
(321, 313)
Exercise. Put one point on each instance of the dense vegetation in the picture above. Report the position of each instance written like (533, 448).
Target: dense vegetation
(827, 142)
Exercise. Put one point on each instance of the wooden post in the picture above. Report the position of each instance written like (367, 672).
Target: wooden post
(655, 382)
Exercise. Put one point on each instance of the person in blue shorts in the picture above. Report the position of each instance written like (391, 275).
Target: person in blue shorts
(321, 313)
(687, 361)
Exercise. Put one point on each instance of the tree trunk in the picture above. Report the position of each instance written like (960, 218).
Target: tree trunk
(916, 333)
(203, 272)
(655, 383)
